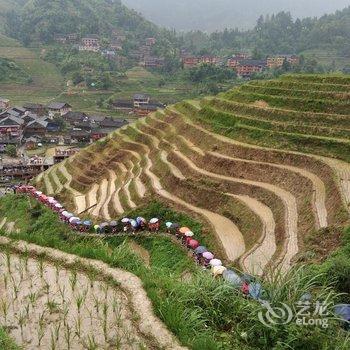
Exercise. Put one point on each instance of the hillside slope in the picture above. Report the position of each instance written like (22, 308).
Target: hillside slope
(40, 20)
(264, 165)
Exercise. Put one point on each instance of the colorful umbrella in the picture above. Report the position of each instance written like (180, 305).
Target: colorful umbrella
(87, 223)
(104, 225)
(218, 270)
(134, 223)
(183, 230)
(231, 277)
(125, 220)
(215, 262)
(73, 220)
(140, 220)
(208, 255)
(154, 221)
(193, 244)
(113, 224)
(168, 224)
(189, 234)
(96, 227)
(200, 250)
(174, 226)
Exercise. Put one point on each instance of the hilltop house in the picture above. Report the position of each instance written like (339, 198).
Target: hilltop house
(246, 68)
(60, 108)
(151, 41)
(140, 99)
(4, 103)
(144, 110)
(90, 42)
(278, 60)
(123, 105)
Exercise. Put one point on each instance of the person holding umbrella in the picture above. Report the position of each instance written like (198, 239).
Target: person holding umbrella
(154, 225)
(114, 226)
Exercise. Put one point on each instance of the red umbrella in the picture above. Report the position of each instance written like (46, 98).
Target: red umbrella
(193, 244)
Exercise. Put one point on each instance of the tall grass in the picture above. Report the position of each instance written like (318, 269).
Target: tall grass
(204, 313)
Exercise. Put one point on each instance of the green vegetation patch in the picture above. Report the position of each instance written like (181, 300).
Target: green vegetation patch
(11, 72)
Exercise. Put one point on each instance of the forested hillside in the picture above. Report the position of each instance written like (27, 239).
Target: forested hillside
(281, 34)
(40, 20)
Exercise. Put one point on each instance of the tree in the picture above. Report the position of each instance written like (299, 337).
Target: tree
(11, 151)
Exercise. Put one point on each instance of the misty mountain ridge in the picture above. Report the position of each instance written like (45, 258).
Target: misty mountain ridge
(209, 15)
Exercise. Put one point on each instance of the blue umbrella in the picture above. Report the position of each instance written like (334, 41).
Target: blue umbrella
(140, 220)
(113, 223)
(200, 250)
(134, 223)
(255, 290)
(231, 277)
(343, 310)
(87, 223)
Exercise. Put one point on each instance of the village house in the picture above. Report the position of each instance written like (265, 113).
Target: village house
(123, 105)
(32, 142)
(152, 62)
(116, 45)
(12, 127)
(140, 99)
(77, 136)
(233, 62)
(74, 117)
(112, 123)
(61, 154)
(90, 42)
(35, 108)
(151, 41)
(144, 110)
(193, 61)
(278, 60)
(60, 39)
(72, 37)
(246, 68)
(12, 112)
(60, 108)
(4, 103)
(36, 127)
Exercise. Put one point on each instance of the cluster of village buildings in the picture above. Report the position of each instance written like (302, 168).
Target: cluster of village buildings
(93, 43)
(33, 124)
(242, 63)
(141, 105)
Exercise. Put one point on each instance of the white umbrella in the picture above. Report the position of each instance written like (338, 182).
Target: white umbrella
(58, 205)
(74, 219)
(153, 221)
(65, 213)
(215, 262)
(38, 193)
(189, 234)
(125, 220)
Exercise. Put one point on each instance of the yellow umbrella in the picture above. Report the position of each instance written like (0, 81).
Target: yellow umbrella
(218, 270)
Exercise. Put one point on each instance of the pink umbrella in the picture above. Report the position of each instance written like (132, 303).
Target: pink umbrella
(193, 244)
(208, 255)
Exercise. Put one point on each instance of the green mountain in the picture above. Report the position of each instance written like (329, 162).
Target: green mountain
(40, 20)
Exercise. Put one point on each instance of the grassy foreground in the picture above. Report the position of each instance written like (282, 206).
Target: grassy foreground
(6, 343)
(203, 313)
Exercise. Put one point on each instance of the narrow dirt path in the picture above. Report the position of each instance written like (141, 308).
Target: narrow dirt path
(126, 187)
(288, 199)
(149, 325)
(112, 177)
(48, 185)
(118, 184)
(91, 197)
(318, 185)
(227, 232)
(56, 180)
(342, 172)
(255, 260)
(103, 193)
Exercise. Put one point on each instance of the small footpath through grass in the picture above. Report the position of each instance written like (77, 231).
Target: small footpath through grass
(203, 312)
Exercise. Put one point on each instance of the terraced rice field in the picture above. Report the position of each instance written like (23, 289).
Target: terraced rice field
(66, 302)
(263, 165)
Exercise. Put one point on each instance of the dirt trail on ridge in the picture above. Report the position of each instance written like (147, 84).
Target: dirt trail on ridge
(103, 188)
(111, 189)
